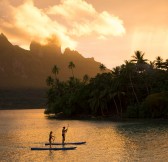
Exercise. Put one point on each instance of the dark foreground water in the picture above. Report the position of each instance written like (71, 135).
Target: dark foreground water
(106, 141)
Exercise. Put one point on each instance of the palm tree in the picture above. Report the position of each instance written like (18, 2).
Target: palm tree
(138, 57)
(141, 67)
(71, 66)
(50, 81)
(55, 70)
(85, 78)
(166, 65)
(159, 62)
(129, 70)
(97, 101)
(152, 64)
(102, 67)
(116, 71)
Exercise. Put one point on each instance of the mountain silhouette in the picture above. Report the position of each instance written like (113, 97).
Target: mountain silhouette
(23, 72)
(20, 68)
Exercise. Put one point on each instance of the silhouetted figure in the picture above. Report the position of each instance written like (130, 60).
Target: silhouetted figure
(63, 134)
(51, 138)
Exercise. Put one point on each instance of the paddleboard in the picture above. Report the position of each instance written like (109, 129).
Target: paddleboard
(67, 143)
(44, 148)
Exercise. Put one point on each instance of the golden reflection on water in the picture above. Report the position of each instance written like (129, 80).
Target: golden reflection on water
(106, 141)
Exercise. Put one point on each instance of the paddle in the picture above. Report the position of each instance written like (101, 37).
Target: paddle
(67, 126)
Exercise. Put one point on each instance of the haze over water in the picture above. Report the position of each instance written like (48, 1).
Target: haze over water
(106, 141)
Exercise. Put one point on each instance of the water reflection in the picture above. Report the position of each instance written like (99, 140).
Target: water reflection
(106, 141)
(50, 155)
(145, 139)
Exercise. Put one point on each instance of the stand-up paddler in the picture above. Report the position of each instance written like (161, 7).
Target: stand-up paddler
(64, 131)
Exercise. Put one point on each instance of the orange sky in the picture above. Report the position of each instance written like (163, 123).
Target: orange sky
(108, 30)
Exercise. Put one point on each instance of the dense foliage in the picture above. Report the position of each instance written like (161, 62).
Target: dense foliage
(137, 88)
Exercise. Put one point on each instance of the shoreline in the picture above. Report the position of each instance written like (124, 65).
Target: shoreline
(100, 118)
(21, 108)
(89, 117)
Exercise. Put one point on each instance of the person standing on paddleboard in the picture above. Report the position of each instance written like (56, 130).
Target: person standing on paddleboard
(51, 138)
(63, 134)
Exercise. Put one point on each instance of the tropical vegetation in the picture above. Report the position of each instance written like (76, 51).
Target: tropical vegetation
(136, 89)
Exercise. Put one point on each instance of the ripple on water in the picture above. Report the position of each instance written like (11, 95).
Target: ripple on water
(106, 141)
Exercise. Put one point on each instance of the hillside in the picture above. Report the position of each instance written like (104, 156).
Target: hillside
(29, 68)
(23, 72)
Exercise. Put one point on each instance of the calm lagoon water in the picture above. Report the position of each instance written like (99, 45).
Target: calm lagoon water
(106, 141)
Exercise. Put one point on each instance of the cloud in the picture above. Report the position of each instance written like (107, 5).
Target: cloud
(66, 21)
(83, 19)
(28, 22)
(73, 9)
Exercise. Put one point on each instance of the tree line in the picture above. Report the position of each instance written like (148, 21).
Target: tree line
(136, 89)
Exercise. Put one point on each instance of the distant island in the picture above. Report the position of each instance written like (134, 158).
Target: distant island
(68, 85)
(29, 68)
(24, 72)
(136, 89)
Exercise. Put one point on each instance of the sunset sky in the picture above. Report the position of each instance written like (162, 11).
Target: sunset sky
(108, 30)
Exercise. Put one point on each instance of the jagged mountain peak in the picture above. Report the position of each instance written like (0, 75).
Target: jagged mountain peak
(3, 36)
(4, 41)
(73, 53)
(40, 49)
(24, 68)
